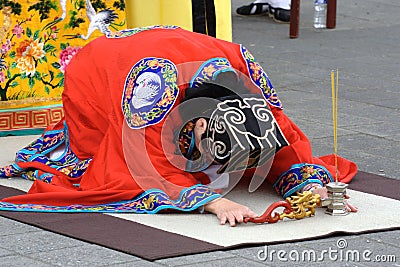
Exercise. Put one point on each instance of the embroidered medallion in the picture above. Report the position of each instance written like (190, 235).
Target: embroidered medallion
(150, 92)
(209, 70)
(260, 78)
(130, 32)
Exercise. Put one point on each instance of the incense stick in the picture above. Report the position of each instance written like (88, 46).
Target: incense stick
(335, 91)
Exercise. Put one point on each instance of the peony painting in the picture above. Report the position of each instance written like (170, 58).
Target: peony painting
(38, 39)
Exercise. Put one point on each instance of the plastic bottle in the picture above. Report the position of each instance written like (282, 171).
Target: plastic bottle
(319, 14)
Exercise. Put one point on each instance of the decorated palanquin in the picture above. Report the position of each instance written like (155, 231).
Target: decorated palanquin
(38, 39)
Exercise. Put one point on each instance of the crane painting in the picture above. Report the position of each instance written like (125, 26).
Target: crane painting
(100, 20)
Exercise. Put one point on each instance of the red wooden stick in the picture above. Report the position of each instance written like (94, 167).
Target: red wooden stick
(267, 215)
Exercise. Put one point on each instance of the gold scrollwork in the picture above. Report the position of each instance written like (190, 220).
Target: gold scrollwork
(303, 205)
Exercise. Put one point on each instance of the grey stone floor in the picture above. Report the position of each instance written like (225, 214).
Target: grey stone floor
(365, 48)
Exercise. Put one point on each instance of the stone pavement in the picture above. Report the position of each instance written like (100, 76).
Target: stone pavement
(365, 48)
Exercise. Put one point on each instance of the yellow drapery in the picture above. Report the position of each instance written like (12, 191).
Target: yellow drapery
(177, 12)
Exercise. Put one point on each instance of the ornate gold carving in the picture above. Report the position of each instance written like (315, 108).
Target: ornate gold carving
(295, 207)
(303, 205)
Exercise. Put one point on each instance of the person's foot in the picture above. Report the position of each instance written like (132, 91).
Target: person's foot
(253, 9)
(256, 9)
(279, 14)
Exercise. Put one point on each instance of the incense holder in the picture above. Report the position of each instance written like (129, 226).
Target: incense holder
(336, 203)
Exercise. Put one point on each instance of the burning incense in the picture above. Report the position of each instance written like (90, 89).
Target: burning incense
(336, 190)
(335, 91)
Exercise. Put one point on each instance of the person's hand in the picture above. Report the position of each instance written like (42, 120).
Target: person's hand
(323, 192)
(229, 211)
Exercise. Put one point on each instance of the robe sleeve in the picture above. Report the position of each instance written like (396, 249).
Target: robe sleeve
(152, 162)
(294, 166)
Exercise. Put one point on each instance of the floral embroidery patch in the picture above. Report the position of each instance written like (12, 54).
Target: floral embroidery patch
(209, 70)
(150, 92)
(260, 78)
(129, 32)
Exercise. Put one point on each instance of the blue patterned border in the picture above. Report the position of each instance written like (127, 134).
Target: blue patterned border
(209, 70)
(260, 78)
(37, 151)
(151, 201)
(299, 175)
(130, 32)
